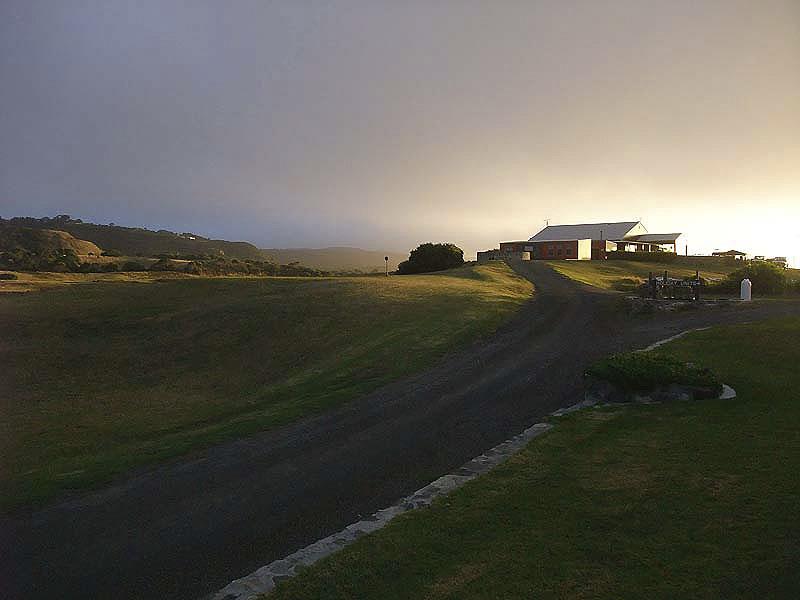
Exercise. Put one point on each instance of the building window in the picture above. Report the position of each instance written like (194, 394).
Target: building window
(549, 252)
(569, 252)
(560, 251)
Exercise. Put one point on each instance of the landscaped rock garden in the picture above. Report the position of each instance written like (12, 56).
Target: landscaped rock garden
(648, 377)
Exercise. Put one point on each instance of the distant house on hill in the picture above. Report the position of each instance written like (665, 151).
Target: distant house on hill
(734, 254)
(586, 242)
(781, 261)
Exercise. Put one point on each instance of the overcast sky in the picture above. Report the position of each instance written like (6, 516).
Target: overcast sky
(382, 124)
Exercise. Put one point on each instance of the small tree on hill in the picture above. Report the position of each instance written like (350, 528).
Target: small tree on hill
(430, 257)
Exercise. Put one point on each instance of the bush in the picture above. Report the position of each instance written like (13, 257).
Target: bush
(132, 265)
(163, 264)
(765, 277)
(111, 253)
(8, 276)
(644, 371)
(427, 258)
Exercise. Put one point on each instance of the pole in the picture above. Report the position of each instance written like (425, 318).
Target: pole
(697, 285)
(386, 260)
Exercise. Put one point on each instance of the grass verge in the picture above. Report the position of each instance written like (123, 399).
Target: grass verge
(626, 275)
(686, 499)
(100, 378)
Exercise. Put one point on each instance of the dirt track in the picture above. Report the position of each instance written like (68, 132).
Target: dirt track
(188, 528)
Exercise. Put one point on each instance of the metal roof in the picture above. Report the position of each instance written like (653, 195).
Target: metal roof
(729, 253)
(594, 231)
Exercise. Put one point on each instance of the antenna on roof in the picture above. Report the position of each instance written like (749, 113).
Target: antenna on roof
(547, 222)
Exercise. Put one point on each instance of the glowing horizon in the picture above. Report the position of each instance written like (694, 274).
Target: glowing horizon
(383, 125)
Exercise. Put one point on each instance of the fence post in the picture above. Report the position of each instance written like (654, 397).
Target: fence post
(697, 285)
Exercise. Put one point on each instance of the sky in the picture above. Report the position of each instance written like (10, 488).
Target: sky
(383, 124)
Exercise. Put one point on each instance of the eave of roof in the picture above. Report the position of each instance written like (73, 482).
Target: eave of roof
(656, 238)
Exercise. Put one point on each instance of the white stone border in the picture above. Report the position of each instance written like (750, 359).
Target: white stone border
(659, 343)
(263, 580)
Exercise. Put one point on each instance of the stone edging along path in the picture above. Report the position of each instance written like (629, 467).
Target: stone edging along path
(264, 579)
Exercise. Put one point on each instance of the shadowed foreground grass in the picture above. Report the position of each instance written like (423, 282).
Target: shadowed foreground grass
(98, 378)
(680, 500)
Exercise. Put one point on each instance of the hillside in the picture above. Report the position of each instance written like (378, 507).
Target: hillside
(163, 366)
(41, 241)
(135, 241)
(336, 259)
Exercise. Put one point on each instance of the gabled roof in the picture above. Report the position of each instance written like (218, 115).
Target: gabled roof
(729, 253)
(656, 238)
(595, 231)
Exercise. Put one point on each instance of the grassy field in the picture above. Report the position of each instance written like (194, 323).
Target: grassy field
(679, 500)
(101, 377)
(37, 282)
(626, 275)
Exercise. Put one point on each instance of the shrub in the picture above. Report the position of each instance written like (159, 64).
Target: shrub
(644, 371)
(111, 253)
(427, 258)
(765, 277)
(132, 265)
(163, 264)
(8, 276)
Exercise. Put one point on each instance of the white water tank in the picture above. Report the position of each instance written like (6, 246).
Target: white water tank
(746, 290)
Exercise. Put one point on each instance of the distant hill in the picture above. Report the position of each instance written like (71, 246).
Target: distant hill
(336, 259)
(135, 241)
(41, 241)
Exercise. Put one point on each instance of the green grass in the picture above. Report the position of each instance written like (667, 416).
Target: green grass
(625, 275)
(99, 378)
(679, 500)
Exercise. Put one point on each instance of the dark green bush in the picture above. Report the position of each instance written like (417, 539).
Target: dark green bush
(765, 277)
(429, 257)
(164, 264)
(132, 265)
(8, 276)
(644, 371)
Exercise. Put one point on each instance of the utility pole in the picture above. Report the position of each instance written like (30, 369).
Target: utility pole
(386, 260)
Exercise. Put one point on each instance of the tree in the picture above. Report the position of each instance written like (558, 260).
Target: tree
(430, 257)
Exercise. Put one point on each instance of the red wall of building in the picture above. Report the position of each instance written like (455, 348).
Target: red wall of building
(544, 250)
(557, 250)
